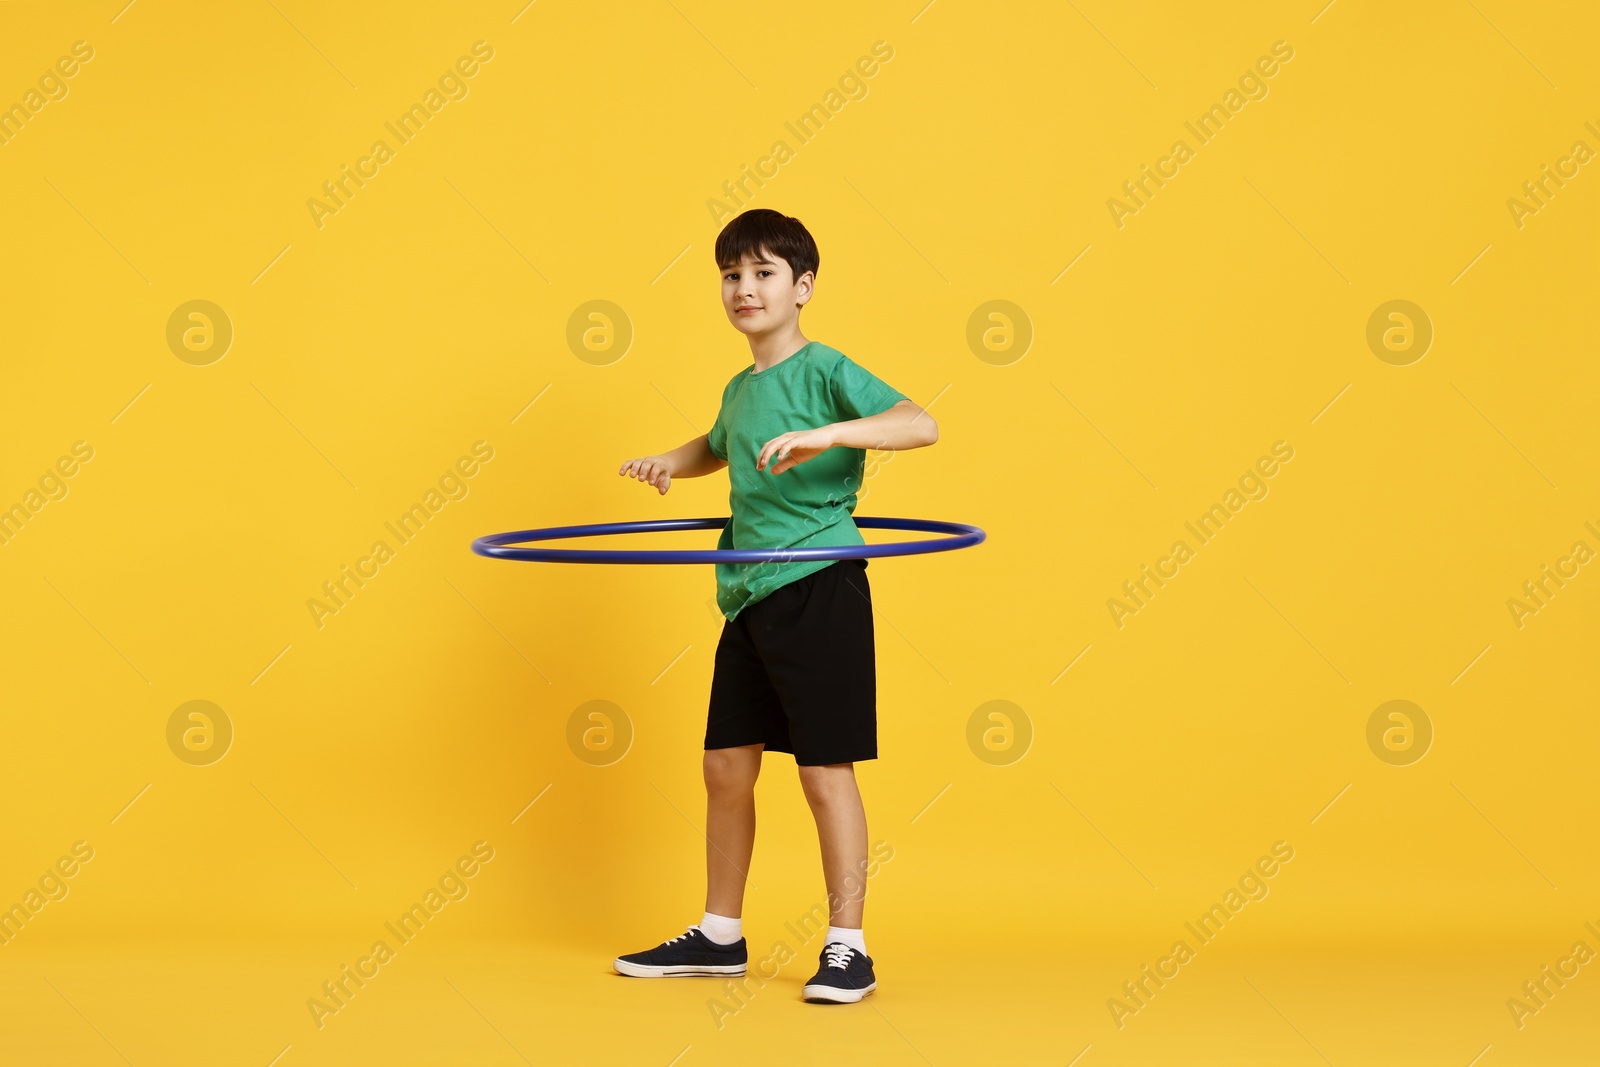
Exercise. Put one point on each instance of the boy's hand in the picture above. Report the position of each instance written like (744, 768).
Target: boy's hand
(652, 470)
(793, 448)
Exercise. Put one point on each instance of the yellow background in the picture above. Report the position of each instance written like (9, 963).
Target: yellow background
(431, 311)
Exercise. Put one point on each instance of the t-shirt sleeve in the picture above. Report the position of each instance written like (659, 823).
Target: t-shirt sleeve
(717, 439)
(858, 393)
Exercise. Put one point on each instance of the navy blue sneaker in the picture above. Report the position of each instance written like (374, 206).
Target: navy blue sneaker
(844, 977)
(690, 953)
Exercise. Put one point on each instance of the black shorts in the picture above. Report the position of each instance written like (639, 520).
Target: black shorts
(796, 671)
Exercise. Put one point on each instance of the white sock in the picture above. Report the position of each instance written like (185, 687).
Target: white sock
(722, 929)
(856, 939)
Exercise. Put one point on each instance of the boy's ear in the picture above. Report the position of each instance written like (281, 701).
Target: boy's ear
(804, 285)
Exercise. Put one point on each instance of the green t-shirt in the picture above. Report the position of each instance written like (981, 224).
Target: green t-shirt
(808, 505)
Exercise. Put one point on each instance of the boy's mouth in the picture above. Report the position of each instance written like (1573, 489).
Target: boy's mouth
(749, 309)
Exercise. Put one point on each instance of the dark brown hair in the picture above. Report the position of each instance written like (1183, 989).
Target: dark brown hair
(762, 228)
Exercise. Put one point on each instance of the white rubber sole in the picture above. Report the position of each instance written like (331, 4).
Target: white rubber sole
(835, 995)
(641, 970)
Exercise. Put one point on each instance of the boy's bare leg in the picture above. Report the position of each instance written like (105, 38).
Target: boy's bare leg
(730, 775)
(842, 830)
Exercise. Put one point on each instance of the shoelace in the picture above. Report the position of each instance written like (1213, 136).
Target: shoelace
(680, 937)
(839, 955)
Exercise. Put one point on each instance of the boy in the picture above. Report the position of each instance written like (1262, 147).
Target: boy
(794, 667)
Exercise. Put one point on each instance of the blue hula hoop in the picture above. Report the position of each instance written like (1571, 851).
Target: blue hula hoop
(497, 546)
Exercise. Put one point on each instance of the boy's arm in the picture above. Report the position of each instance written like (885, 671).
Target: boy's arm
(692, 459)
(901, 427)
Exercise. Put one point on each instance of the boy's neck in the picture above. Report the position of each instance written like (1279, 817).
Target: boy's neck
(771, 350)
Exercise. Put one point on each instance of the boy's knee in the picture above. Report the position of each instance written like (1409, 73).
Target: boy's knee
(732, 768)
(826, 783)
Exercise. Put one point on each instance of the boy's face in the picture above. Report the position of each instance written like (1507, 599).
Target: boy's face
(761, 294)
